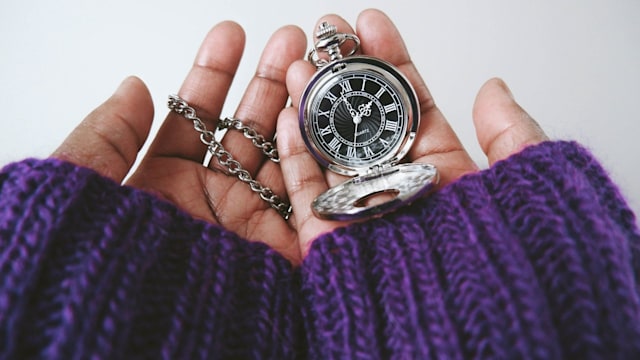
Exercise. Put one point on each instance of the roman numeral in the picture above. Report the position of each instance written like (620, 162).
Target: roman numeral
(346, 86)
(391, 126)
(368, 151)
(331, 97)
(334, 144)
(364, 81)
(324, 113)
(379, 93)
(389, 108)
(384, 142)
(325, 131)
(351, 152)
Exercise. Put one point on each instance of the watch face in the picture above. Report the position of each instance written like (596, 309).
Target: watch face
(357, 113)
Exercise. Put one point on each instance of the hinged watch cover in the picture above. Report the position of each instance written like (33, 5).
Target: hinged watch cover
(359, 117)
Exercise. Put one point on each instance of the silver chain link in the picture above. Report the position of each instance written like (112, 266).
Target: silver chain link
(207, 137)
(268, 148)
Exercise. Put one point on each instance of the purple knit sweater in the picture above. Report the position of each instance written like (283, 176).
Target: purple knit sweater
(537, 257)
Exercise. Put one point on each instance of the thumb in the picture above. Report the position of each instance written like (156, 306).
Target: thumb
(108, 139)
(502, 127)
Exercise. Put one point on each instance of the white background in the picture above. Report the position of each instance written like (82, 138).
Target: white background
(574, 65)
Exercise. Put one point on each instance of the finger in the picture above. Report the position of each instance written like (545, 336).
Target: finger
(436, 142)
(266, 94)
(502, 126)
(108, 139)
(304, 180)
(301, 71)
(298, 75)
(164, 170)
(205, 89)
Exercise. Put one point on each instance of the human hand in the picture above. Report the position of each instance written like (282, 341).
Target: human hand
(109, 139)
(502, 126)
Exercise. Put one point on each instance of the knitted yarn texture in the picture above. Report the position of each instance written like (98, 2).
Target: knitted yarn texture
(536, 257)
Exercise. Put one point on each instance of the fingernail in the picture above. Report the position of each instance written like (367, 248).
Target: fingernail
(504, 87)
(123, 85)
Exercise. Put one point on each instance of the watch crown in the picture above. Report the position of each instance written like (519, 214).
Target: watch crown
(326, 30)
(329, 41)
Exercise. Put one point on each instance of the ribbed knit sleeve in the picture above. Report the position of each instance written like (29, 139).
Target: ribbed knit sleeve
(90, 269)
(537, 257)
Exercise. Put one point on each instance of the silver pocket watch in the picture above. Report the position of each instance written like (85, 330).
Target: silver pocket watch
(359, 117)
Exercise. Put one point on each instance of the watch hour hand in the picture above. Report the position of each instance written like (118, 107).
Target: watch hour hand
(365, 109)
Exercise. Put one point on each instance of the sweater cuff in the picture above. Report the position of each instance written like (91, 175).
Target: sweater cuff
(535, 257)
(92, 269)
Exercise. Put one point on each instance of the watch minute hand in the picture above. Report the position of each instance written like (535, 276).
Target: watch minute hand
(352, 111)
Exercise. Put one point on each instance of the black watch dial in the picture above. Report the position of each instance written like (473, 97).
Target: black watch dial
(360, 115)
(359, 119)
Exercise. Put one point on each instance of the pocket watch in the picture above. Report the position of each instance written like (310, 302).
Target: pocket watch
(359, 117)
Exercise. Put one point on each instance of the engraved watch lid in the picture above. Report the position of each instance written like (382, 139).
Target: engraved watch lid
(377, 193)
